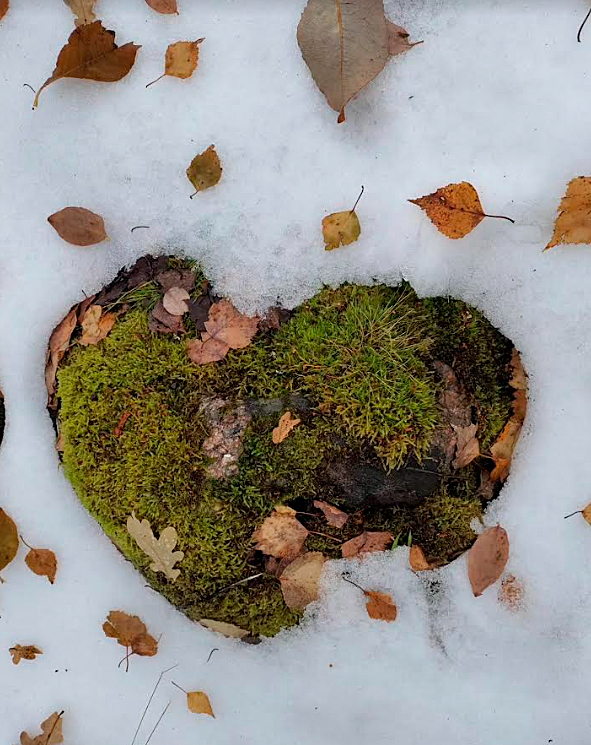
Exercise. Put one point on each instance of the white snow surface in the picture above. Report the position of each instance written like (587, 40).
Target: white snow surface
(498, 95)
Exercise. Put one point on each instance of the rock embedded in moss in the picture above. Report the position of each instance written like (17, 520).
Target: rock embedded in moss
(365, 369)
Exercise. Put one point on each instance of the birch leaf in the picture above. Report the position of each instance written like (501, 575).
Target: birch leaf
(205, 170)
(198, 702)
(300, 580)
(340, 229)
(380, 605)
(42, 561)
(281, 535)
(573, 224)
(160, 550)
(8, 539)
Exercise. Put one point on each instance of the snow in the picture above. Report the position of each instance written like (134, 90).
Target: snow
(497, 96)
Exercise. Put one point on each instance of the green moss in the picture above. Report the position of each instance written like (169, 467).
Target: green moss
(360, 359)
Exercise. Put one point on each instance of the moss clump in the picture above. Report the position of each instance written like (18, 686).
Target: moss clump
(359, 362)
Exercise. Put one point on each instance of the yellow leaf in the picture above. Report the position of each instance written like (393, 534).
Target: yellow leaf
(181, 60)
(587, 513)
(160, 550)
(573, 224)
(286, 424)
(340, 229)
(205, 170)
(198, 702)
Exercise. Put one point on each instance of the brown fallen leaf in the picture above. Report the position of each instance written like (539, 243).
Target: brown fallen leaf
(380, 605)
(280, 535)
(335, 517)
(175, 301)
(511, 592)
(42, 561)
(160, 550)
(227, 629)
(345, 46)
(205, 170)
(367, 542)
(467, 446)
(573, 224)
(163, 6)
(586, 512)
(398, 40)
(51, 732)
(286, 423)
(503, 447)
(78, 226)
(91, 54)
(163, 322)
(83, 10)
(417, 559)
(181, 60)
(226, 328)
(198, 703)
(300, 580)
(96, 325)
(487, 559)
(59, 342)
(28, 652)
(8, 539)
(4, 5)
(131, 633)
(455, 209)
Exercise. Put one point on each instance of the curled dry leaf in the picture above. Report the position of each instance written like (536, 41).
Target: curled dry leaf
(286, 423)
(503, 447)
(91, 54)
(205, 170)
(417, 559)
(175, 301)
(300, 580)
(228, 630)
(511, 592)
(58, 344)
(163, 6)
(280, 535)
(340, 229)
(28, 652)
(78, 226)
(366, 543)
(346, 45)
(380, 605)
(335, 517)
(226, 328)
(83, 10)
(51, 732)
(198, 702)
(43, 562)
(96, 325)
(467, 447)
(487, 559)
(131, 633)
(455, 209)
(8, 539)
(163, 322)
(573, 224)
(160, 550)
(4, 5)
(181, 60)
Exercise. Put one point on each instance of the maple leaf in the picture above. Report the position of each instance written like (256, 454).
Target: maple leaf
(8, 539)
(131, 633)
(487, 559)
(28, 652)
(455, 209)
(78, 226)
(4, 5)
(161, 551)
(573, 224)
(163, 6)
(59, 342)
(346, 45)
(300, 580)
(467, 445)
(228, 630)
(380, 605)
(83, 10)
(96, 325)
(181, 60)
(417, 559)
(226, 328)
(174, 301)
(42, 561)
(51, 732)
(367, 542)
(205, 170)
(286, 423)
(280, 535)
(91, 54)
(335, 517)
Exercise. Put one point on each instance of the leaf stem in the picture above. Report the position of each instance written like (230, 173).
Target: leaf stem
(583, 25)
(358, 198)
(155, 81)
(576, 512)
(353, 583)
(178, 686)
(499, 217)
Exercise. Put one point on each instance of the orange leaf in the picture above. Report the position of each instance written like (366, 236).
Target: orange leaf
(130, 632)
(198, 703)
(417, 559)
(226, 328)
(573, 224)
(42, 561)
(280, 535)
(163, 6)
(487, 559)
(286, 424)
(366, 543)
(455, 209)
(4, 5)
(8, 539)
(335, 517)
(380, 605)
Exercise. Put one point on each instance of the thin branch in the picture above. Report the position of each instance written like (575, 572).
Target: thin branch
(215, 649)
(235, 584)
(353, 583)
(583, 25)
(162, 674)
(158, 722)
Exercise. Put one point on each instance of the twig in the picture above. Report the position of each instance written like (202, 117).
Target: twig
(234, 584)
(147, 227)
(583, 25)
(162, 674)
(158, 722)
(155, 81)
(215, 649)
(324, 535)
(26, 85)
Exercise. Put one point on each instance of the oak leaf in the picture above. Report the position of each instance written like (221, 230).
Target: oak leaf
(511, 592)
(226, 328)
(59, 342)
(131, 633)
(205, 170)
(160, 550)
(181, 60)
(281, 535)
(335, 517)
(51, 732)
(417, 559)
(300, 580)
(174, 301)
(467, 447)
(43, 562)
(28, 652)
(83, 10)
(227, 629)
(78, 226)
(345, 45)
(286, 423)
(96, 325)
(163, 6)
(366, 542)
(4, 5)
(8, 539)
(487, 559)
(198, 702)
(573, 224)
(91, 54)
(380, 605)
(340, 229)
